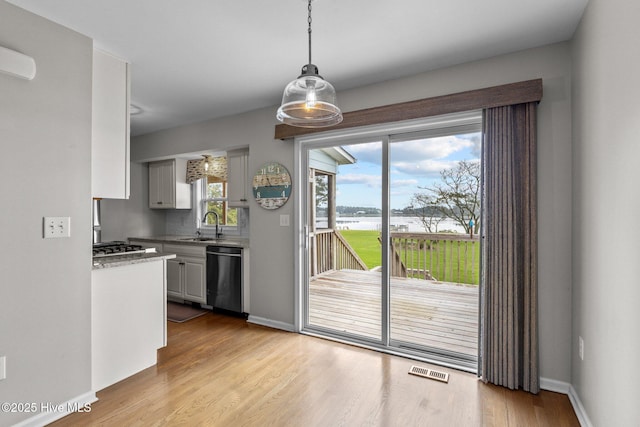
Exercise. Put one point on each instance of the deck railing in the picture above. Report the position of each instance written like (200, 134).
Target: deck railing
(329, 251)
(435, 256)
(444, 257)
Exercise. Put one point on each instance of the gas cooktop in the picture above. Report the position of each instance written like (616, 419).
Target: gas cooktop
(115, 248)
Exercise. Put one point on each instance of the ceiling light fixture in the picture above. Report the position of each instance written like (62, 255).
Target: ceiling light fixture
(309, 101)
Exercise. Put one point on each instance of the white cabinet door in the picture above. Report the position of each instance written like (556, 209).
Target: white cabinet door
(195, 280)
(237, 181)
(168, 188)
(110, 167)
(174, 278)
(155, 170)
(187, 273)
(162, 184)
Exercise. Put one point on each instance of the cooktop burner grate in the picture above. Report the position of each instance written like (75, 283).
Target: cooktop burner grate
(115, 248)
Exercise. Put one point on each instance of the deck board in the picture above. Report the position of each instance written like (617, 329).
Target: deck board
(433, 314)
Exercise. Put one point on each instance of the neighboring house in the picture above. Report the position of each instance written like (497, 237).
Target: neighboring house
(588, 154)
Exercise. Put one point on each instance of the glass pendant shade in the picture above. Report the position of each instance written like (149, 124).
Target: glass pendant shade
(309, 101)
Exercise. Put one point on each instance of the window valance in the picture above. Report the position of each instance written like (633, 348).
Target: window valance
(479, 99)
(209, 166)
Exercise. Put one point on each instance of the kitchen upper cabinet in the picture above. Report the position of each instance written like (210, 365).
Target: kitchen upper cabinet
(110, 127)
(237, 179)
(186, 274)
(168, 187)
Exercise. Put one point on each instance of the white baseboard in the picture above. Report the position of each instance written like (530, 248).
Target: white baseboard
(271, 323)
(578, 408)
(554, 385)
(566, 388)
(53, 412)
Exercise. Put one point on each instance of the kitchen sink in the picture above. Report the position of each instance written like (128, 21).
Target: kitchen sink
(199, 239)
(223, 240)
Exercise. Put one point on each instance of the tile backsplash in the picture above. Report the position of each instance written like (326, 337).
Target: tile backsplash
(186, 222)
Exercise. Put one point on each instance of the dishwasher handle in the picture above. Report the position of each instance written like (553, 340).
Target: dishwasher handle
(224, 254)
(224, 251)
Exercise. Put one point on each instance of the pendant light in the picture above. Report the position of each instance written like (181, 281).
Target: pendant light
(206, 163)
(309, 101)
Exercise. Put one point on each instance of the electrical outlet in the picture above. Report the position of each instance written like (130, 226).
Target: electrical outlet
(3, 367)
(56, 226)
(581, 348)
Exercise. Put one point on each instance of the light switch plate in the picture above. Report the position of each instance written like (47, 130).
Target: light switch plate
(580, 348)
(3, 367)
(56, 226)
(284, 220)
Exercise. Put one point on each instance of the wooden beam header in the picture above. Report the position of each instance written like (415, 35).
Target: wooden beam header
(496, 96)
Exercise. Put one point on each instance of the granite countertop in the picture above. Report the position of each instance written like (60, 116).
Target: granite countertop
(128, 259)
(238, 241)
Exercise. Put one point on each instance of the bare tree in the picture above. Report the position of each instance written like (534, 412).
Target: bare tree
(457, 195)
(425, 207)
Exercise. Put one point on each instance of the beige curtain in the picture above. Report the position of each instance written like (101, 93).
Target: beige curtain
(509, 347)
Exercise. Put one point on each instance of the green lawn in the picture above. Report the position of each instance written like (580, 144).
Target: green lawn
(367, 246)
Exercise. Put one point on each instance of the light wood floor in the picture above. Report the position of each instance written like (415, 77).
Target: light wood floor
(432, 314)
(222, 371)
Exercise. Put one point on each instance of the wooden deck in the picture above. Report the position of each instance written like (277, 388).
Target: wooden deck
(432, 314)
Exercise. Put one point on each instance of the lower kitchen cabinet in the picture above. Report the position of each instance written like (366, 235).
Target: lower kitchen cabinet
(174, 278)
(186, 274)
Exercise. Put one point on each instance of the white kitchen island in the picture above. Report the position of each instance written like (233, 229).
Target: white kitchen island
(128, 315)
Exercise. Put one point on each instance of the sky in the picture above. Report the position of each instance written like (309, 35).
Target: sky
(413, 163)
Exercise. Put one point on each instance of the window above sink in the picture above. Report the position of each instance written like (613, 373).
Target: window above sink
(211, 195)
(214, 198)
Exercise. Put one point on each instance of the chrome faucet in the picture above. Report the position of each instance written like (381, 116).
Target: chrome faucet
(204, 220)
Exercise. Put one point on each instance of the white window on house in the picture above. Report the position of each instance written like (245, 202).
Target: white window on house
(213, 197)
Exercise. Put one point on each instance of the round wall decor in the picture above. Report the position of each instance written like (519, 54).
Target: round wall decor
(271, 185)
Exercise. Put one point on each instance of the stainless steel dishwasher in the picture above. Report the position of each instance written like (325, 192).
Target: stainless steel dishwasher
(224, 279)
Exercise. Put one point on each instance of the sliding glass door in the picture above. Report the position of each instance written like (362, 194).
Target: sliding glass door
(344, 204)
(434, 251)
(390, 255)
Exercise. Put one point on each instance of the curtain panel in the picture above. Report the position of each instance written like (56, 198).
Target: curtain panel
(509, 343)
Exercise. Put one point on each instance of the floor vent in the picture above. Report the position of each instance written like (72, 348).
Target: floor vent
(429, 373)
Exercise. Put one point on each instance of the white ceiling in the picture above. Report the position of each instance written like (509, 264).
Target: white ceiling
(194, 60)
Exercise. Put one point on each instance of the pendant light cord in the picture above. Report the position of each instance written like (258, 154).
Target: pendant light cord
(309, 20)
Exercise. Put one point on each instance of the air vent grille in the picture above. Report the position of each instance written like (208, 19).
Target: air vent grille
(429, 373)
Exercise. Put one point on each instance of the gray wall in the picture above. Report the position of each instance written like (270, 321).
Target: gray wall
(126, 218)
(45, 141)
(272, 246)
(606, 206)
